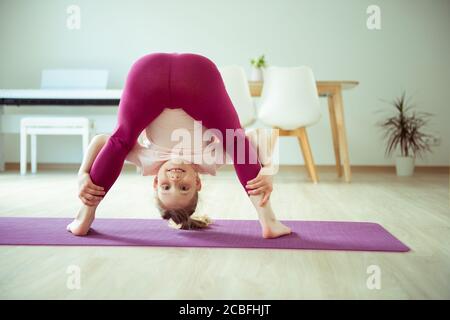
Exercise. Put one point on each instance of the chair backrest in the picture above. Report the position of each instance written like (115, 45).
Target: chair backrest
(238, 90)
(74, 79)
(289, 98)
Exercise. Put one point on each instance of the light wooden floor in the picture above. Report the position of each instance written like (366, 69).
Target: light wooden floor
(416, 210)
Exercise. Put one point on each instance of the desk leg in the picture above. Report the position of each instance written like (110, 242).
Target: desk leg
(2, 144)
(334, 134)
(342, 136)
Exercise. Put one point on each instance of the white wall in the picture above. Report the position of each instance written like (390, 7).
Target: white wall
(409, 53)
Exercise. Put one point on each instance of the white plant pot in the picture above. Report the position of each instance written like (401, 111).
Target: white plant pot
(256, 75)
(404, 166)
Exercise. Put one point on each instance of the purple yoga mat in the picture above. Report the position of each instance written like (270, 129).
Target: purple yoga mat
(316, 235)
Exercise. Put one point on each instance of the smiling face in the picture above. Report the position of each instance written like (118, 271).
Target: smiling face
(176, 184)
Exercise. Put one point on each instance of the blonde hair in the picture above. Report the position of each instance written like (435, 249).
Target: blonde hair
(181, 218)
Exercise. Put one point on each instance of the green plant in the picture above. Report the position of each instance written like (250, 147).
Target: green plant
(259, 62)
(404, 129)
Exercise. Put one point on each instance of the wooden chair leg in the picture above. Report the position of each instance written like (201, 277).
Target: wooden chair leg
(307, 161)
(307, 154)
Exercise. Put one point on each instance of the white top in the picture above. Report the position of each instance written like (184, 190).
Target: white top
(164, 142)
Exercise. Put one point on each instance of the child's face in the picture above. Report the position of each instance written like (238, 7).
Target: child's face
(176, 183)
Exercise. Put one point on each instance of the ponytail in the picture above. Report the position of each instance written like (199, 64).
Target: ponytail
(181, 218)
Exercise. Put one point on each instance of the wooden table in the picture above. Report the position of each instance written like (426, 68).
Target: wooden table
(333, 91)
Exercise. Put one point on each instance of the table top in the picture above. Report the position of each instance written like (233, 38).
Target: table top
(344, 84)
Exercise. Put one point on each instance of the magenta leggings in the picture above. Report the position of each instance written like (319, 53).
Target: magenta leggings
(170, 80)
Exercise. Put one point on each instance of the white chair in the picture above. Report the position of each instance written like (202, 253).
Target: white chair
(236, 84)
(290, 103)
(34, 126)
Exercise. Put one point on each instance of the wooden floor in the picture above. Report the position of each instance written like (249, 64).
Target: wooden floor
(415, 209)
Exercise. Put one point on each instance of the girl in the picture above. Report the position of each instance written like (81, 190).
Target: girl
(166, 92)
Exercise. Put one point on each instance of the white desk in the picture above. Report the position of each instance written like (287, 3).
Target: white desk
(59, 97)
(39, 97)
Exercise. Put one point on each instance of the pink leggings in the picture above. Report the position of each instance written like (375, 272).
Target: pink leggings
(170, 80)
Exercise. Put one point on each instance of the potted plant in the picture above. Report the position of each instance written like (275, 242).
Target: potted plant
(257, 68)
(403, 132)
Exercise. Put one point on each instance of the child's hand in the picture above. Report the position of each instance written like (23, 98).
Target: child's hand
(262, 184)
(89, 193)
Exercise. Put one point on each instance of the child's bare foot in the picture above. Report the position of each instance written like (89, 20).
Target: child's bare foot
(81, 224)
(274, 229)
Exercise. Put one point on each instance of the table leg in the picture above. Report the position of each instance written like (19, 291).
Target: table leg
(342, 136)
(334, 134)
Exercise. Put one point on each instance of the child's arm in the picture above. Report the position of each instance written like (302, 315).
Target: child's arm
(89, 193)
(264, 141)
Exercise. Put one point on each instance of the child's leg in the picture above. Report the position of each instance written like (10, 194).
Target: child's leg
(271, 227)
(82, 222)
(145, 95)
(198, 88)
